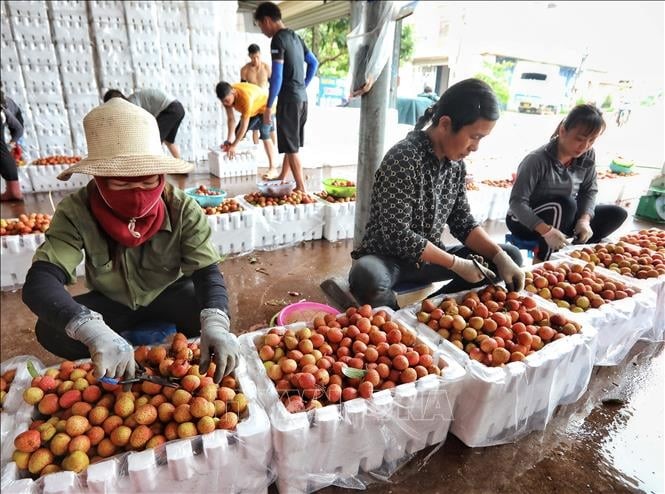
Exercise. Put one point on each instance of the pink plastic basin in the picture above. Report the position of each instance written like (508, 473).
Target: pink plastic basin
(303, 311)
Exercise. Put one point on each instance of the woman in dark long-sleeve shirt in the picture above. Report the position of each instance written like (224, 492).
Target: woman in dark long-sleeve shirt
(8, 169)
(554, 194)
(418, 189)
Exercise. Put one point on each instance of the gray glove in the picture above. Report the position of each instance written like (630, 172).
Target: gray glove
(217, 340)
(583, 231)
(555, 239)
(509, 271)
(468, 270)
(112, 355)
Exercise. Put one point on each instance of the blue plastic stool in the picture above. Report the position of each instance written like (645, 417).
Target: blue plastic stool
(531, 246)
(149, 333)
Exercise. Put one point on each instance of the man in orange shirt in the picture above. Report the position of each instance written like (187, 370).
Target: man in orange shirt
(250, 101)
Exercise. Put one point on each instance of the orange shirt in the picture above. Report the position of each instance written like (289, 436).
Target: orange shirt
(250, 99)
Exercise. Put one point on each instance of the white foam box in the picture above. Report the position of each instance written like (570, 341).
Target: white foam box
(278, 226)
(338, 219)
(16, 253)
(44, 178)
(620, 323)
(334, 444)
(23, 178)
(478, 203)
(501, 405)
(222, 461)
(16, 413)
(220, 166)
(498, 200)
(657, 285)
(233, 233)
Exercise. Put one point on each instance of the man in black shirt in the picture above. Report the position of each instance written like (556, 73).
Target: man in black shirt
(288, 80)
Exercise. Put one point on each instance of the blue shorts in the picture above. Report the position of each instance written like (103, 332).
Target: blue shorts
(256, 123)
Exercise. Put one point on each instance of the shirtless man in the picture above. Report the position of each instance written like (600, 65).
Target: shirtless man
(256, 72)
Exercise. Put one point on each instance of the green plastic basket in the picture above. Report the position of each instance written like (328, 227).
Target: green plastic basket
(336, 190)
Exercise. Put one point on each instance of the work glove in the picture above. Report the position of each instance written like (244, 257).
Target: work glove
(218, 343)
(111, 354)
(510, 272)
(583, 231)
(468, 270)
(555, 239)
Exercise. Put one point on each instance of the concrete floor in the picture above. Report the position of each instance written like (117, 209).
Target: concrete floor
(589, 446)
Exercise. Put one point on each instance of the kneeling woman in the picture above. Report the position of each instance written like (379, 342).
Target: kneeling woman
(554, 194)
(418, 189)
(148, 255)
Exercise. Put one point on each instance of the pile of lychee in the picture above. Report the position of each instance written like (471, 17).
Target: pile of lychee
(625, 259)
(296, 197)
(494, 326)
(78, 421)
(342, 358)
(574, 286)
(5, 382)
(653, 238)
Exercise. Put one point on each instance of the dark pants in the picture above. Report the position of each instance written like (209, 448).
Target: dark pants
(177, 304)
(291, 119)
(562, 214)
(8, 169)
(169, 121)
(373, 277)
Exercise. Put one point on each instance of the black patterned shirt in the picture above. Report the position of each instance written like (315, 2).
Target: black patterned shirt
(414, 195)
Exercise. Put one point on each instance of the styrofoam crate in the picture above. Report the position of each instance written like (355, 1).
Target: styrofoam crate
(233, 233)
(620, 323)
(503, 404)
(16, 252)
(36, 52)
(277, 226)
(71, 28)
(339, 219)
(44, 178)
(239, 460)
(498, 202)
(220, 166)
(480, 206)
(67, 8)
(9, 55)
(333, 444)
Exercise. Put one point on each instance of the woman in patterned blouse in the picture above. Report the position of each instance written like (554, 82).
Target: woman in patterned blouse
(418, 189)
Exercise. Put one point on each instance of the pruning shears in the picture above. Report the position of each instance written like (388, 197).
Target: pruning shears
(142, 375)
(479, 266)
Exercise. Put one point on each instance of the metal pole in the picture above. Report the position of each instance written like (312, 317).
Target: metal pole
(394, 72)
(373, 111)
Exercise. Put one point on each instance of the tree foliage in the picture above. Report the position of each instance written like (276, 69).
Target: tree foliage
(497, 75)
(328, 42)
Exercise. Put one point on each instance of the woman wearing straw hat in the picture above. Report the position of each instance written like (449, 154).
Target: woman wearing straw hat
(148, 255)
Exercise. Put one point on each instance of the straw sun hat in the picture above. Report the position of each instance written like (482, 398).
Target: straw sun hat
(123, 141)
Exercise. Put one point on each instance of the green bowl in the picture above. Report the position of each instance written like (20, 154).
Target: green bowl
(617, 168)
(336, 190)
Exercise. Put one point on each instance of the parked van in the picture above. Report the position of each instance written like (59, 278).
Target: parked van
(536, 88)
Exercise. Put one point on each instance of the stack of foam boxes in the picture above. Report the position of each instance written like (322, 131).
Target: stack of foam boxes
(16, 252)
(69, 22)
(336, 444)
(288, 224)
(144, 45)
(233, 233)
(220, 165)
(31, 30)
(107, 19)
(177, 67)
(205, 21)
(14, 88)
(339, 219)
